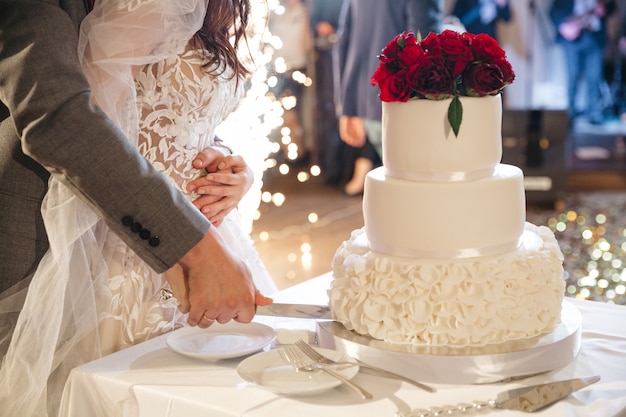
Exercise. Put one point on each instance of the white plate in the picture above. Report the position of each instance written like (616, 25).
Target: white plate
(271, 371)
(221, 341)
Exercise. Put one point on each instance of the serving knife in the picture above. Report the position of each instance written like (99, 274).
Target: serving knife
(526, 399)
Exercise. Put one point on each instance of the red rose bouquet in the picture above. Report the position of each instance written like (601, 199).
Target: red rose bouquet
(442, 66)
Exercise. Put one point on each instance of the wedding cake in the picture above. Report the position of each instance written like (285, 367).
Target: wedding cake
(446, 257)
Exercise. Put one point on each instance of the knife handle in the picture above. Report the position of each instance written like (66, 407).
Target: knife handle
(448, 410)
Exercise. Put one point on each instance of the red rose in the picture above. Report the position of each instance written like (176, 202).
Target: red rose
(440, 66)
(455, 47)
(486, 48)
(381, 73)
(431, 78)
(390, 52)
(409, 55)
(408, 39)
(483, 79)
(508, 76)
(394, 48)
(395, 88)
(430, 42)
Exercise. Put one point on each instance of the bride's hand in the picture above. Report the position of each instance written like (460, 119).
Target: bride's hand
(223, 188)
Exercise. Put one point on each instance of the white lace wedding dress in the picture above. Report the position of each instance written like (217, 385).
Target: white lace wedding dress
(179, 107)
(91, 294)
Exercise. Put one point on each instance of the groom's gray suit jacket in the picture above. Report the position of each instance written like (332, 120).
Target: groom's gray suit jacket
(48, 126)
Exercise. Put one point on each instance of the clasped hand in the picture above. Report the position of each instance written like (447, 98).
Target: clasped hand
(228, 179)
(210, 282)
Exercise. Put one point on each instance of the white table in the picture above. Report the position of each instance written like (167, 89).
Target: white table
(150, 380)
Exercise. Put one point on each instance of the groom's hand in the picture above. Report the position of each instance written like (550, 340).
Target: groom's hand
(219, 284)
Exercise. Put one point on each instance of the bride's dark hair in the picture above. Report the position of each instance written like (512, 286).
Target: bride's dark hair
(225, 19)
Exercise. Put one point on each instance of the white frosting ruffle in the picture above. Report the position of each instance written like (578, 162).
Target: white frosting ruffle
(458, 302)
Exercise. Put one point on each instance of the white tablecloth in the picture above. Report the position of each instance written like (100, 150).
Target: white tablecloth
(150, 380)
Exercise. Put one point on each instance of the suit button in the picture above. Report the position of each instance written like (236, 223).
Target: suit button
(127, 221)
(136, 227)
(154, 241)
(144, 234)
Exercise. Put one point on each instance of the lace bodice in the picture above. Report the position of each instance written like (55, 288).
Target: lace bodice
(179, 107)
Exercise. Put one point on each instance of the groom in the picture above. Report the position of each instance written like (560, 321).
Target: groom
(48, 126)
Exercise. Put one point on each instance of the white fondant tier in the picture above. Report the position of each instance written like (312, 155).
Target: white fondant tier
(445, 219)
(456, 303)
(418, 142)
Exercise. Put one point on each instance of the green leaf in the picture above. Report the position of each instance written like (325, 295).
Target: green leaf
(455, 115)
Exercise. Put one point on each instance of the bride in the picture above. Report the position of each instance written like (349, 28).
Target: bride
(167, 73)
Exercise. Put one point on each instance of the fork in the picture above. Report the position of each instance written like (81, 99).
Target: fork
(322, 360)
(301, 362)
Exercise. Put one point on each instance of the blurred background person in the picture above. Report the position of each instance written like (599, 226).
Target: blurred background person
(614, 62)
(482, 16)
(365, 27)
(324, 16)
(581, 31)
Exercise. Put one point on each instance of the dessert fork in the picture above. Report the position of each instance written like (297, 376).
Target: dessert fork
(322, 360)
(301, 362)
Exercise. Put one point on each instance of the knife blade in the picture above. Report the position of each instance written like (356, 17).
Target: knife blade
(526, 399)
(299, 311)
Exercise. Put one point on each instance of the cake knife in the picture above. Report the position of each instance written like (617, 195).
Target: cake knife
(526, 399)
(297, 311)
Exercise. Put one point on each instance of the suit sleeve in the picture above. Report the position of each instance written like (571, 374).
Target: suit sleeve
(42, 85)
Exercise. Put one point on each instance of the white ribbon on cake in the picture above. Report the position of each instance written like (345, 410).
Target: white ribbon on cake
(448, 254)
(441, 176)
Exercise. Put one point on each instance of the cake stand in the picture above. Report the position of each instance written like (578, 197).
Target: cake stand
(466, 365)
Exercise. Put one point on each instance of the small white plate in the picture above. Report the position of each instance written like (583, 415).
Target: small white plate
(221, 341)
(271, 371)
